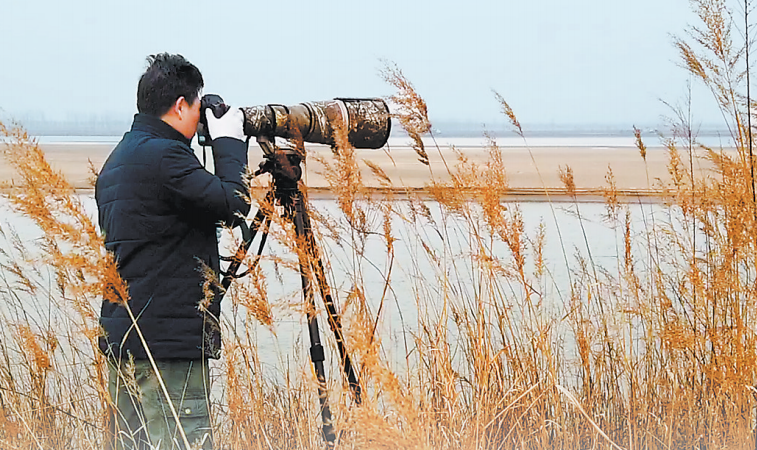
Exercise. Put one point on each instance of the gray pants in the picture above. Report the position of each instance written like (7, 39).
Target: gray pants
(142, 417)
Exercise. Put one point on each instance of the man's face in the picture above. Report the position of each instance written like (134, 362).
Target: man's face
(191, 118)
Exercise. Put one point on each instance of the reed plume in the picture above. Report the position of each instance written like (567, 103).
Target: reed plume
(495, 346)
(411, 110)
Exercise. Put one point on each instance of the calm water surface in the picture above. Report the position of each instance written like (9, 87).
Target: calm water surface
(412, 275)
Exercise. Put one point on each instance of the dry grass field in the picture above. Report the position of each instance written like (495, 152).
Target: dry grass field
(658, 350)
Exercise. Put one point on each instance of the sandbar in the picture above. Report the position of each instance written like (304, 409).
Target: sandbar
(532, 172)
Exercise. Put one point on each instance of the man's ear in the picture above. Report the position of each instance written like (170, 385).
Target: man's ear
(178, 106)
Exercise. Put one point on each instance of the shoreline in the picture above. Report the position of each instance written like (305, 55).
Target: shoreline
(533, 173)
(513, 195)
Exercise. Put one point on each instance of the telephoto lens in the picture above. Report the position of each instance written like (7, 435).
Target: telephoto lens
(366, 121)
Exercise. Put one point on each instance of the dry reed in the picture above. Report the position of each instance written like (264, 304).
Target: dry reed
(656, 351)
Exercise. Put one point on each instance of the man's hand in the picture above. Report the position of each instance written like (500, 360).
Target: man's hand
(229, 125)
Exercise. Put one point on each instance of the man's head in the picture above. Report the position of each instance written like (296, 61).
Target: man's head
(170, 89)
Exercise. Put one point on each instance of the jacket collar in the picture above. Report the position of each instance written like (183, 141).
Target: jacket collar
(156, 127)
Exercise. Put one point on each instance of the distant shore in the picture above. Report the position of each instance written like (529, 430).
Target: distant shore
(533, 173)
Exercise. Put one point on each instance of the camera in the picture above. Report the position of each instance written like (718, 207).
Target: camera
(366, 121)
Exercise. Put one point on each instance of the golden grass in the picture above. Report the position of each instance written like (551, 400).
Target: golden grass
(656, 350)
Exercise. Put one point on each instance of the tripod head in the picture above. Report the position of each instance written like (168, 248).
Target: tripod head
(283, 163)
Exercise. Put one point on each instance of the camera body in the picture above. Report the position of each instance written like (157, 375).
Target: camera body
(365, 122)
(219, 108)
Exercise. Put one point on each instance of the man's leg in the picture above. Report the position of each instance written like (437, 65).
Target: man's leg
(147, 416)
(127, 430)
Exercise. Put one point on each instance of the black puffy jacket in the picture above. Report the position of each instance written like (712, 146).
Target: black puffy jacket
(159, 208)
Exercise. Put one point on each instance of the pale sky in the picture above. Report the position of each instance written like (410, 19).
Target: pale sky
(555, 61)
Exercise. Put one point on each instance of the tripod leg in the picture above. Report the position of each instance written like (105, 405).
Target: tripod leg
(334, 322)
(316, 348)
(261, 218)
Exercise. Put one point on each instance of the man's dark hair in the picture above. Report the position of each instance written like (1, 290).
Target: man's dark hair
(167, 78)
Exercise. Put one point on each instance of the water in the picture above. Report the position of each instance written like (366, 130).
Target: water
(414, 275)
(588, 141)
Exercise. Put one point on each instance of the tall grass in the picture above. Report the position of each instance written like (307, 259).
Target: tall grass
(655, 350)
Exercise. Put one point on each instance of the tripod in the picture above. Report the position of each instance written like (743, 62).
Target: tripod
(285, 170)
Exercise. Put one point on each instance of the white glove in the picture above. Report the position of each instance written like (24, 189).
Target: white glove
(229, 125)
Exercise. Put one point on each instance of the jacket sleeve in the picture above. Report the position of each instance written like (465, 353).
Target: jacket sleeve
(190, 187)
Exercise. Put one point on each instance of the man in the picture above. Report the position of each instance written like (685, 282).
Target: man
(159, 210)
